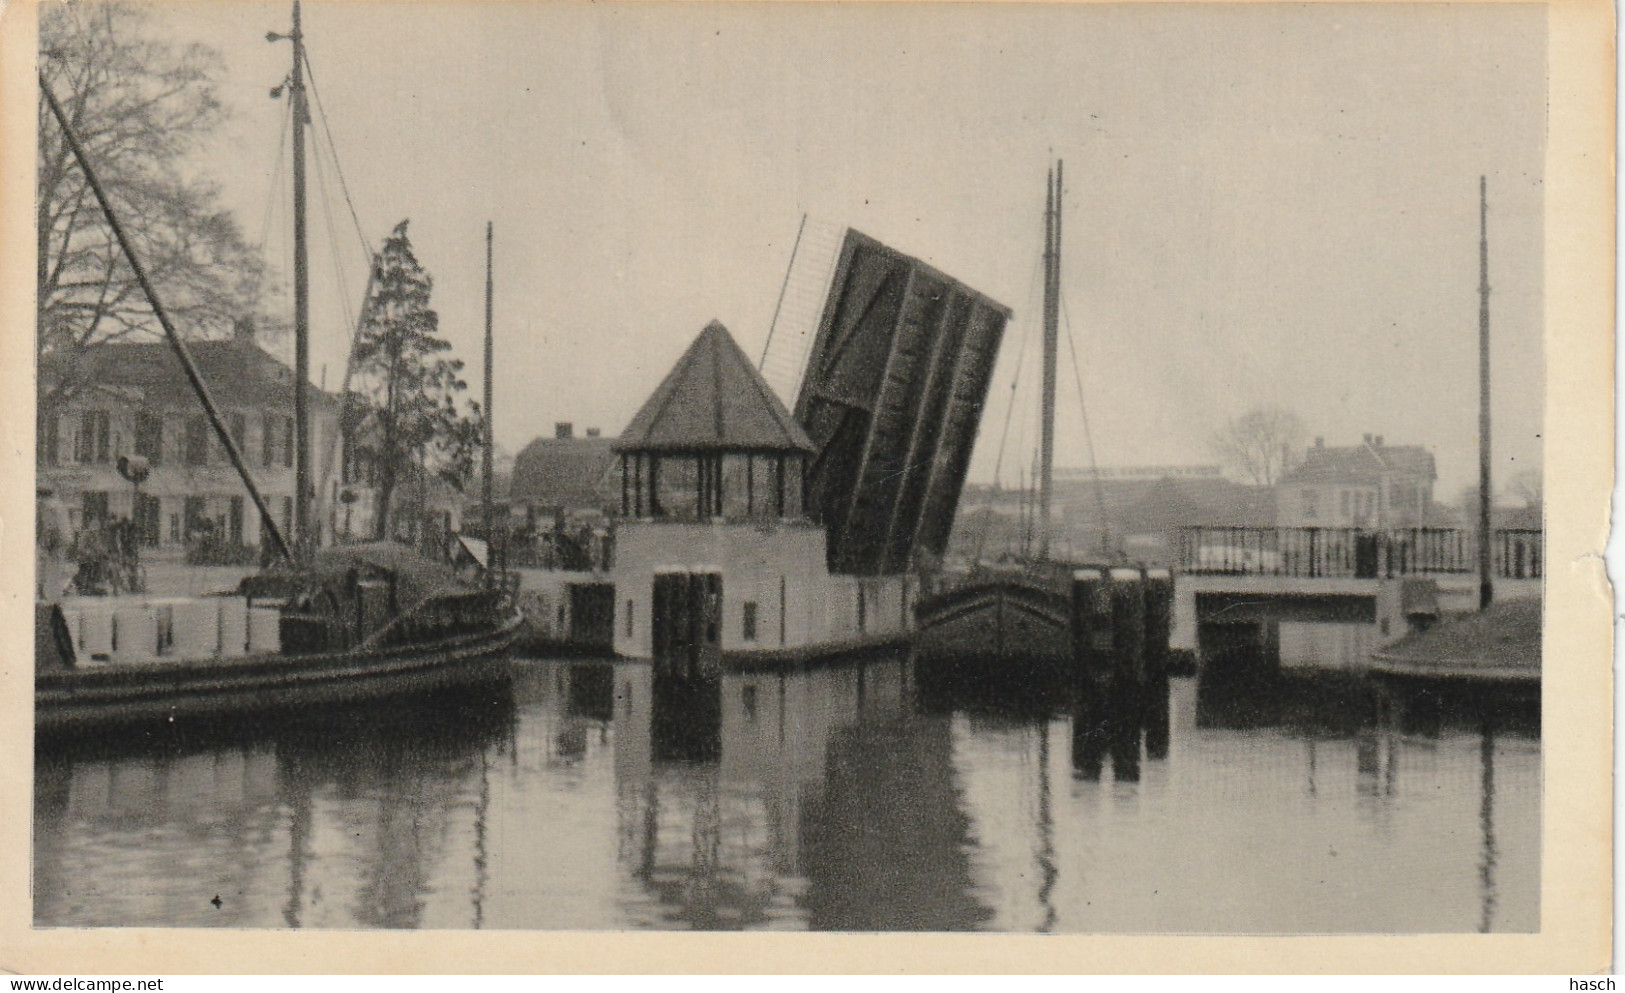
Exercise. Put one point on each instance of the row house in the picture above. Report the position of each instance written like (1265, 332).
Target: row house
(136, 401)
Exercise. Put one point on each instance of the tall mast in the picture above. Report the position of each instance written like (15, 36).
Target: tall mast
(302, 528)
(1486, 584)
(490, 532)
(1052, 289)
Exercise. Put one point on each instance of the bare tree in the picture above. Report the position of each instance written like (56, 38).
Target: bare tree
(1528, 485)
(140, 105)
(1262, 444)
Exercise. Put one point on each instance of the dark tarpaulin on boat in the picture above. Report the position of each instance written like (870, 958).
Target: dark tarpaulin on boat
(417, 578)
(892, 398)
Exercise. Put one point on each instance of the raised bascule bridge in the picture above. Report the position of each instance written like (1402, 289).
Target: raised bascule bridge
(892, 396)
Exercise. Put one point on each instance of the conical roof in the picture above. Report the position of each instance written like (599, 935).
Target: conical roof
(714, 400)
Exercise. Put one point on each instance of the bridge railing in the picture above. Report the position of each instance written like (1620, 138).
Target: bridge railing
(1516, 553)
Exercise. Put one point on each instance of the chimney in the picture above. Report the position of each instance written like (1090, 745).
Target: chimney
(1320, 441)
(1379, 441)
(1368, 439)
(242, 330)
(563, 430)
(592, 432)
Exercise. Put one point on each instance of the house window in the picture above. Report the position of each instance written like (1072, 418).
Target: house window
(268, 439)
(287, 443)
(197, 446)
(747, 696)
(93, 508)
(174, 529)
(749, 626)
(94, 431)
(147, 519)
(149, 437)
(629, 618)
(195, 513)
(237, 424)
(48, 442)
(287, 516)
(1343, 503)
(234, 520)
(1309, 504)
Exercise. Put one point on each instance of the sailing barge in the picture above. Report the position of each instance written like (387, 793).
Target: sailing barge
(360, 622)
(346, 624)
(1016, 615)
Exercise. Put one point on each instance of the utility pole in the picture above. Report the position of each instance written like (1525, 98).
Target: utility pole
(490, 517)
(1486, 582)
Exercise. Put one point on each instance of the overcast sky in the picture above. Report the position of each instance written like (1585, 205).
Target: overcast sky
(1266, 204)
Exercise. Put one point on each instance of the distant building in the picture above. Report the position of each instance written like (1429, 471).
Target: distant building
(1150, 472)
(137, 402)
(564, 474)
(1370, 485)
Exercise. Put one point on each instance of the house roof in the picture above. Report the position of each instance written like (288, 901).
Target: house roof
(237, 372)
(713, 400)
(564, 472)
(1364, 463)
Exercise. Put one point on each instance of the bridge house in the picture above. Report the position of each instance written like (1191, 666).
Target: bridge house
(713, 549)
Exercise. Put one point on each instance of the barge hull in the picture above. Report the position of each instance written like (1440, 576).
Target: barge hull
(84, 697)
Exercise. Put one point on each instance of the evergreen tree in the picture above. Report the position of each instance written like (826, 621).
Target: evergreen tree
(405, 419)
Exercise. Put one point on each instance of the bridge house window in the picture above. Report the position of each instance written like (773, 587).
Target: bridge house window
(749, 621)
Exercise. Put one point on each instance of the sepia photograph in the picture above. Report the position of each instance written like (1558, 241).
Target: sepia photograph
(1020, 468)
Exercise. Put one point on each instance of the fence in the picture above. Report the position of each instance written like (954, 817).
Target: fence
(1515, 553)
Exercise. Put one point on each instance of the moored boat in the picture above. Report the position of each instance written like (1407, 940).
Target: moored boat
(325, 634)
(347, 623)
(1018, 614)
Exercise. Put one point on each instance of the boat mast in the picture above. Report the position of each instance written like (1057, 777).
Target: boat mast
(1486, 584)
(485, 482)
(301, 304)
(1052, 281)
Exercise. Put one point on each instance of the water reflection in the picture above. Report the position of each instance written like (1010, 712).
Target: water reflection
(593, 795)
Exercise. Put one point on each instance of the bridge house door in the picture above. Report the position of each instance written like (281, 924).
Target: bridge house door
(687, 615)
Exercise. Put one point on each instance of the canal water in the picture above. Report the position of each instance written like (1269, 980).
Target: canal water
(832, 799)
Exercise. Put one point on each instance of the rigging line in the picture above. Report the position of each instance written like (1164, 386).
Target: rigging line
(271, 197)
(782, 287)
(1009, 411)
(325, 195)
(321, 112)
(1015, 380)
(1088, 436)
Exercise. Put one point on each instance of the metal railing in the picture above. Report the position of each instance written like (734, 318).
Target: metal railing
(1312, 553)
